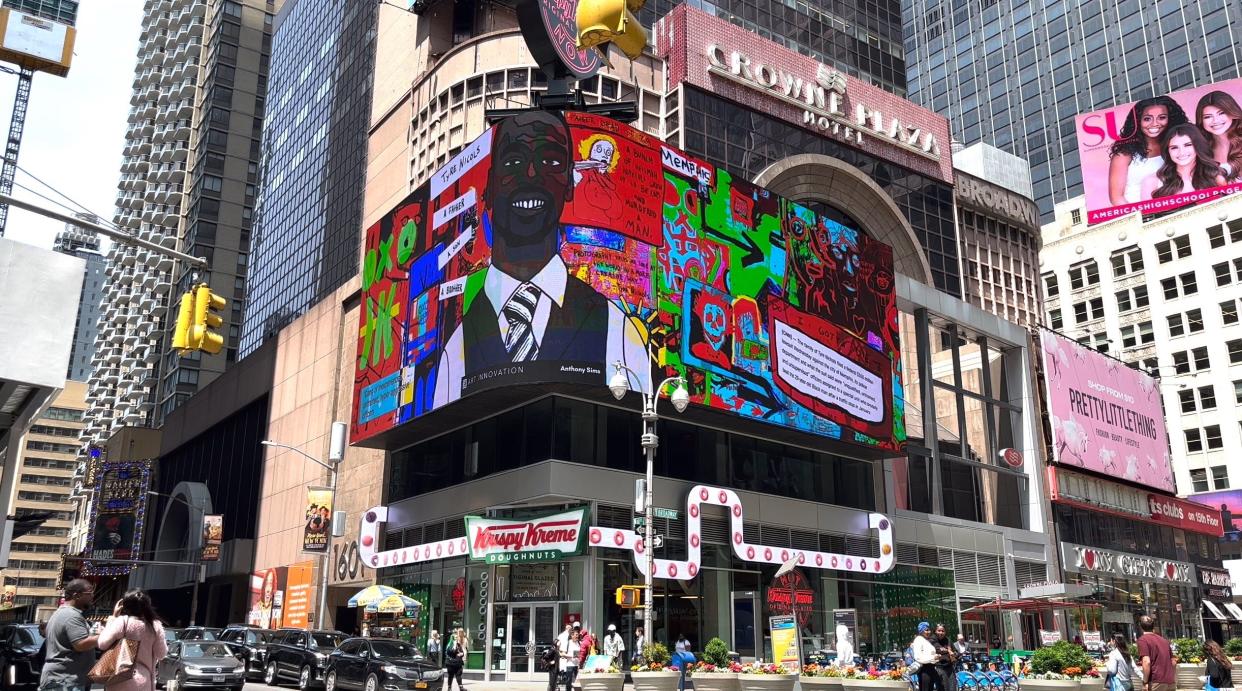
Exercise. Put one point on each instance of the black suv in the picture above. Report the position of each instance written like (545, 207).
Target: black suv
(250, 644)
(300, 656)
(199, 633)
(19, 648)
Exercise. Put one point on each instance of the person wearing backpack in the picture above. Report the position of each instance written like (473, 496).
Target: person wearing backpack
(922, 657)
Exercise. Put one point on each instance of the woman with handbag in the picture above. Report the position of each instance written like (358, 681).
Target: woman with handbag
(133, 641)
(1120, 665)
(1219, 667)
(455, 657)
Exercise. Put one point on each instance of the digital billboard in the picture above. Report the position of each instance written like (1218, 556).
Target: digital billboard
(554, 246)
(1229, 503)
(1162, 153)
(1106, 417)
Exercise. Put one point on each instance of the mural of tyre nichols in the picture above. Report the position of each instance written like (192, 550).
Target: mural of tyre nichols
(556, 245)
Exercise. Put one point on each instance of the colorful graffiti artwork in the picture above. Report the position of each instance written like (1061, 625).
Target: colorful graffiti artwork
(554, 246)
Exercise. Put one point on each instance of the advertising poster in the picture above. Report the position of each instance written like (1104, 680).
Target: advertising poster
(1229, 502)
(8, 596)
(118, 516)
(1162, 153)
(318, 527)
(1047, 637)
(298, 595)
(784, 632)
(1093, 640)
(267, 597)
(1187, 515)
(1106, 417)
(502, 270)
(213, 536)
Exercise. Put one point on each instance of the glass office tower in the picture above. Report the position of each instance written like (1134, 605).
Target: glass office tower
(1014, 73)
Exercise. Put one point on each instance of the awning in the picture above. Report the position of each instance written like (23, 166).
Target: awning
(1234, 610)
(1031, 605)
(1214, 611)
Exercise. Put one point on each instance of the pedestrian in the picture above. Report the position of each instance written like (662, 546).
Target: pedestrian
(133, 618)
(1156, 657)
(433, 647)
(614, 645)
(639, 642)
(563, 638)
(996, 641)
(1219, 668)
(946, 665)
(1120, 665)
(682, 658)
(551, 664)
(455, 657)
(70, 645)
(569, 658)
(960, 646)
(586, 646)
(924, 654)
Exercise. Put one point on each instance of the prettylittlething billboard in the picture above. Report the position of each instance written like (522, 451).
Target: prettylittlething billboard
(1162, 153)
(554, 246)
(1106, 417)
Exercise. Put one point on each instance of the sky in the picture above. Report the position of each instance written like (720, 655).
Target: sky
(75, 125)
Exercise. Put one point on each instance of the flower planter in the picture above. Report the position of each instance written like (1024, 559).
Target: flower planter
(1188, 675)
(874, 684)
(766, 682)
(1030, 684)
(715, 681)
(655, 681)
(602, 681)
(821, 683)
(1091, 683)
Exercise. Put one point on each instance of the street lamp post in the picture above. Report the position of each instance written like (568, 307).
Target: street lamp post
(196, 555)
(336, 452)
(619, 385)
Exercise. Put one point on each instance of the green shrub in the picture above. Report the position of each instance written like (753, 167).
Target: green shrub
(1060, 656)
(1233, 647)
(657, 653)
(717, 652)
(1187, 649)
(1134, 654)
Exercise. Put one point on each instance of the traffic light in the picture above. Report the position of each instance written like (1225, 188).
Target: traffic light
(202, 334)
(630, 596)
(601, 22)
(185, 317)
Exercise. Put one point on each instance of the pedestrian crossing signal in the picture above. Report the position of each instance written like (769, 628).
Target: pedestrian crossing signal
(630, 596)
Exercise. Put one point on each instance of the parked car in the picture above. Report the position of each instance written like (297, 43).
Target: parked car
(171, 635)
(199, 633)
(19, 655)
(300, 656)
(201, 663)
(379, 664)
(251, 643)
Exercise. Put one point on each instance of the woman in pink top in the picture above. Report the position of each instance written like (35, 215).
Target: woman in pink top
(134, 618)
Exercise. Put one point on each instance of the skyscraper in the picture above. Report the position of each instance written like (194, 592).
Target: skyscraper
(81, 243)
(309, 215)
(189, 180)
(1014, 73)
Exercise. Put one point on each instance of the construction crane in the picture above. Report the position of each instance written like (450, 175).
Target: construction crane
(8, 168)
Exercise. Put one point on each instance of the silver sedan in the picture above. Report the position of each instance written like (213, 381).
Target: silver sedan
(201, 664)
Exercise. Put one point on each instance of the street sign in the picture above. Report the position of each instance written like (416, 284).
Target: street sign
(658, 542)
(640, 522)
(670, 514)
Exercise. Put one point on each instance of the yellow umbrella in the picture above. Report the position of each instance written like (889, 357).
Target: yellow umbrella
(371, 595)
(394, 604)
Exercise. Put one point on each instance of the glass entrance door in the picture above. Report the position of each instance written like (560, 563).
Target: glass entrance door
(746, 624)
(532, 628)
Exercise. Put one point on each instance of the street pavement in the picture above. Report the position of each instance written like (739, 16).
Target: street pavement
(470, 686)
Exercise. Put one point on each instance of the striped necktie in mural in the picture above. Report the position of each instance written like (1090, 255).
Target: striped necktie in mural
(520, 311)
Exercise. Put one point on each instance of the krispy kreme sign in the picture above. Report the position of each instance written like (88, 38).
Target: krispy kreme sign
(1186, 515)
(1090, 559)
(547, 538)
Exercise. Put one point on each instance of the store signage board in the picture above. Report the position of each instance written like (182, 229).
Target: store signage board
(1047, 637)
(547, 538)
(1055, 590)
(1187, 515)
(369, 539)
(1134, 566)
(784, 632)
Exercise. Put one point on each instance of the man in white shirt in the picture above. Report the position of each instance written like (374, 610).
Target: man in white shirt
(533, 321)
(614, 645)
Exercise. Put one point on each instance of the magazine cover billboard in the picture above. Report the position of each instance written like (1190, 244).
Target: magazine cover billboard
(1106, 417)
(1162, 153)
(554, 246)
